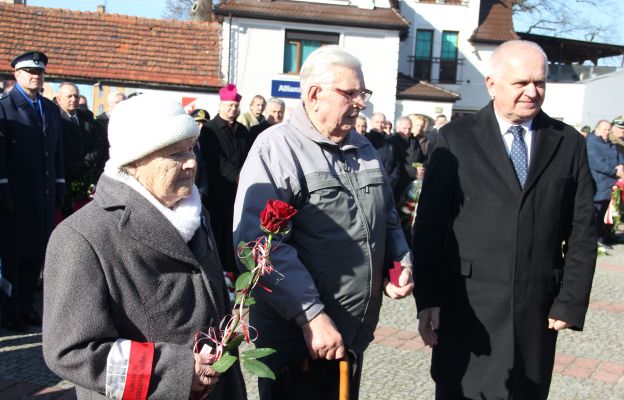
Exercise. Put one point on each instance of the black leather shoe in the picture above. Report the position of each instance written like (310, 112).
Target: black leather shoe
(31, 318)
(14, 326)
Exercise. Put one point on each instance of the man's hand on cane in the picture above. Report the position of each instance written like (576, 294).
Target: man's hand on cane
(323, 339)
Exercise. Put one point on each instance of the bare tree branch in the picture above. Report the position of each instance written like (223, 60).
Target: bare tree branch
(565, 17)
(181, 9)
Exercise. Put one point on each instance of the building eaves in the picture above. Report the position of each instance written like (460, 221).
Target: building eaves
(315, 13)
(92, 46)
(568, 51)
(413, 89)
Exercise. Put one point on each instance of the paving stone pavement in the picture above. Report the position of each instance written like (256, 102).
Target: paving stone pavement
(589, 364)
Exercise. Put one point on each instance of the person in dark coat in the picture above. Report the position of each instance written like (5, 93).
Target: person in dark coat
(504, 240)
(432, 134)
(606, 164)
(380, 142)
(224, 145)
(201, 118)
(112, 100)
(132, 279)
(407, 152)
(83, 155)
(31, 180)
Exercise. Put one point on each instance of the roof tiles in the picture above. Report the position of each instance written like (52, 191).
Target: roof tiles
(112, 47)
(413, 89)
(325, 14)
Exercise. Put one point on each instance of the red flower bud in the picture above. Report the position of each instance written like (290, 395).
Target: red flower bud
(275, 217)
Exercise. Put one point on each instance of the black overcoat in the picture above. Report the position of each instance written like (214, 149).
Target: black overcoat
(224, 150)
(31, 160)
(500, 260)
(81, 153)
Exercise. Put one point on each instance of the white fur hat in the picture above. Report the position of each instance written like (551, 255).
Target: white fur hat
(143, 124)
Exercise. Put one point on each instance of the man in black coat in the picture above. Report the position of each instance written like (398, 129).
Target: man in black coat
(31, 179)
(380, 142)
(407, 152)
(224, 144)
(505, 244)
(85, 149)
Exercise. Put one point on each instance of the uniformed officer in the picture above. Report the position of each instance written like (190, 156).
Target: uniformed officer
(31, 178)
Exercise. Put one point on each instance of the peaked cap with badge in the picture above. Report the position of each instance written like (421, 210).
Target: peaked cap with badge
(30, 59)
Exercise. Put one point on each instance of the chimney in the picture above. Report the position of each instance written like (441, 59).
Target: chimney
(101, 9)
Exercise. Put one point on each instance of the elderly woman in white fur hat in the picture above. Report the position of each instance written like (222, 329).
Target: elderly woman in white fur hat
(134, 275)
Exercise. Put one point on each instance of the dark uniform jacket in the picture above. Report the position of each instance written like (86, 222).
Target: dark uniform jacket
(31, 174)
(500, 260)
(118, 269)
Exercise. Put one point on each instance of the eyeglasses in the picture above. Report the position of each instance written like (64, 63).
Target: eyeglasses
(354, 95)
(33, 71)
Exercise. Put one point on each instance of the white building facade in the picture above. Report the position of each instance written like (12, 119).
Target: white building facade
(258, 39)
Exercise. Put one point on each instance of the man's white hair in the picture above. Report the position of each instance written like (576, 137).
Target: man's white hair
(317, 67)
(275, 100)
(112, 96)
(500, 54)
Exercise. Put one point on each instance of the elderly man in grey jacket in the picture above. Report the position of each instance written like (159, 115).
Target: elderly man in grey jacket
(345, 234)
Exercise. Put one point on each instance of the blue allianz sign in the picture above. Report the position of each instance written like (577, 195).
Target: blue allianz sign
(289, 89)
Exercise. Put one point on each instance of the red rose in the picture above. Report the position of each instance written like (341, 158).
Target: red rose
(275, 217)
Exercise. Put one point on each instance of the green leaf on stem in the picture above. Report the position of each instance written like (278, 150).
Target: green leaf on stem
(258, 369)
(234, 342)
(249, 302)
(246, 255)
(224, 363)
(243, 281)
(256, 353)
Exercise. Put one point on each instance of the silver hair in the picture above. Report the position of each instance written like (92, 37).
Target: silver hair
(275, 100)
(602, 121)
(112, 96)
(362, 118)
(375, 114)
(72, 84)
(498, 56)
(317, 67)
(404, 119)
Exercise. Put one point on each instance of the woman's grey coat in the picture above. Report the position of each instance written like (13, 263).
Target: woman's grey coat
(119, 269)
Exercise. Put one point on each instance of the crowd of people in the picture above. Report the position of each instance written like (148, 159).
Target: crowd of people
(492, 221)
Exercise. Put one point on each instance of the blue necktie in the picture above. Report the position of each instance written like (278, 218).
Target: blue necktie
(518, 153)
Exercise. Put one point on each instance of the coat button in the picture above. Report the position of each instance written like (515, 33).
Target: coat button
(46, 153)
(47, 192)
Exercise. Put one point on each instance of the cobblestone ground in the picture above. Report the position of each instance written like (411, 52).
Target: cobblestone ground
(589, 364)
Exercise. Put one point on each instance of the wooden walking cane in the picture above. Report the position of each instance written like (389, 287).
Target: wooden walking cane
(344, 371)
